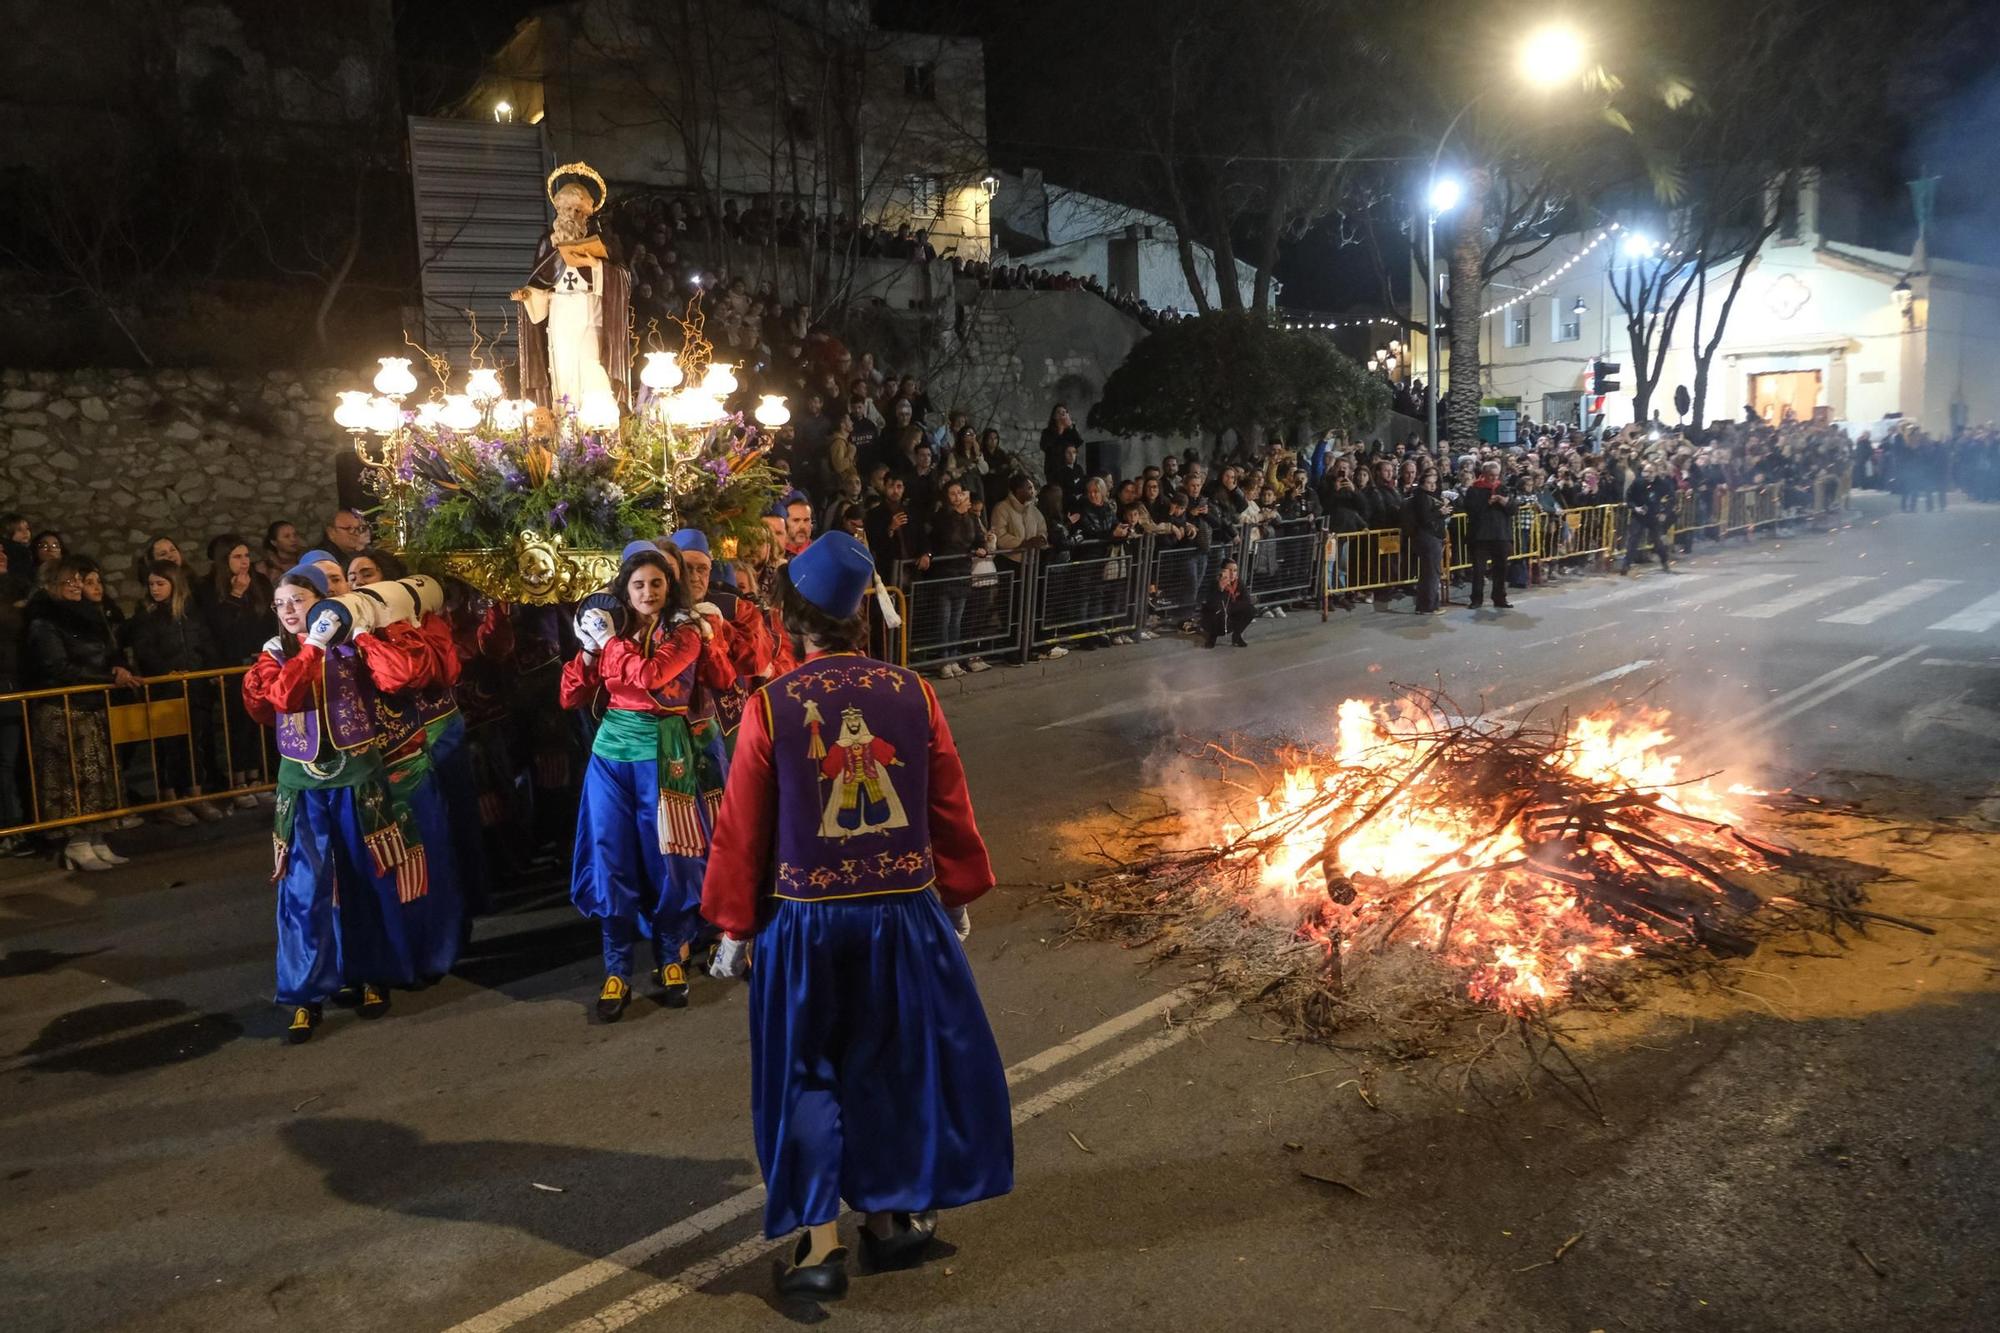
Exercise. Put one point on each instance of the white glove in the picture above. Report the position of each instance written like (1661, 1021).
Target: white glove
(728, 960)
(593, 629)
(324, 630)
(275, 646)
(708, 609)
(961, 921)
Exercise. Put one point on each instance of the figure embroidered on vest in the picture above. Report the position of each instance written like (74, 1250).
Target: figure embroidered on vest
(864, 797)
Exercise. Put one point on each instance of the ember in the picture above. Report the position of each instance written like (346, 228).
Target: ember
(1524, 860)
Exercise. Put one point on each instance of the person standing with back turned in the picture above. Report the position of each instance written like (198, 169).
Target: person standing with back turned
(846, 846)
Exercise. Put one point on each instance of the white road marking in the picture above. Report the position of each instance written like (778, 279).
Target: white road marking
(1840, 687)
(653, 1297)
(1815, 590)
(1981, 664)
(1875, 608)
(1981, 616)
(1645, 587)
(1716, 592)
(1752, 714)
(1600, 678)
(574, 1283)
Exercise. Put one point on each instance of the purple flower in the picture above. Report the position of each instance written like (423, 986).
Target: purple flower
(559, 514)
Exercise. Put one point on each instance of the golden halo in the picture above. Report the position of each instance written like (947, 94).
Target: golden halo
(578, 173)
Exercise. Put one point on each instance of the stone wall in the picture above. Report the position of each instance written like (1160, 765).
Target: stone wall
(111, 458)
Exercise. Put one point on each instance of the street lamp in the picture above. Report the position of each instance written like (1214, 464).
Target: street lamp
(1554, 55)
(1636, 245)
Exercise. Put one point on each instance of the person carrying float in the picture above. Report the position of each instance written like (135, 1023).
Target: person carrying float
(353, 867)
(848, 850)
(642, 828)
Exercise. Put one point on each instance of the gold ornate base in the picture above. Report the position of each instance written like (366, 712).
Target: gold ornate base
(537, 570)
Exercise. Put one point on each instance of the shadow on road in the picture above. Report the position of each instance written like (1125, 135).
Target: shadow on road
(394, 1168)
(128, 1037)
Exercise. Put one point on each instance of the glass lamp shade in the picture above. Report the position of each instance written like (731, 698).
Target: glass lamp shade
(509, 413)
(719, 381)
(599, 410)
(385, 416)
(394, 379)
(429, 414)
(694, 407)
(352, 413)
(772, 412)
(483, 386)
(459, 412)
(661, 372)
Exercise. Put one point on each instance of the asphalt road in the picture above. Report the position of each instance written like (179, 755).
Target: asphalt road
(487, 1158)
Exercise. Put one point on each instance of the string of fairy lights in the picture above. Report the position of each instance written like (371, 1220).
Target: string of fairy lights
(1549, 278)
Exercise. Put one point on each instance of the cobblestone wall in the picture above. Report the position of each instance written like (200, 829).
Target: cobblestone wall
(110, 458)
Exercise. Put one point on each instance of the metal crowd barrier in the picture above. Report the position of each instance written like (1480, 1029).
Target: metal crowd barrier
(69, 756)
(1285, 568)
(1093, 597)
(954, 612)
(1179, 574)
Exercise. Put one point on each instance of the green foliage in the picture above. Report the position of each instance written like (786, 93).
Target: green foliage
(1228, 370)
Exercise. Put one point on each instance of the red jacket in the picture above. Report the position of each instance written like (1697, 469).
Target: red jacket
(635, 678)
(409, 661)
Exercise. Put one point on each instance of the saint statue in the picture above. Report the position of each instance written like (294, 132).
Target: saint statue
(576, 309)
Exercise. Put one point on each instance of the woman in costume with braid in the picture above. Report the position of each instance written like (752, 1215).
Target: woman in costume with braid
(642, 826)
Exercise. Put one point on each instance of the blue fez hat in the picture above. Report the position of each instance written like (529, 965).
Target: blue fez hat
(833, 574)
(638, 548)
(691, 539)
(310, 572)
(316, 556)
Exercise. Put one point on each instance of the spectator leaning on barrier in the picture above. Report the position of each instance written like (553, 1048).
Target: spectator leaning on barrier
(166, 636)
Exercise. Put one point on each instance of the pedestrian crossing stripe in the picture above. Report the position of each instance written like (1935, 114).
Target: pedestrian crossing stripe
(1817, 590)
(1717, 592)
(1981, 616)
(1872, 610)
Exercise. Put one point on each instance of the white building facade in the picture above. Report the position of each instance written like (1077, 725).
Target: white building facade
(1820, 329)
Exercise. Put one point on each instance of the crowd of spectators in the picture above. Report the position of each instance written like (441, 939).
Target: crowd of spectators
(1023, 278)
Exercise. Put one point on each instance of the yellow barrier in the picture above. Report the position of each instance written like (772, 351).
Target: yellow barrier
(1366, 561)
(72, 737)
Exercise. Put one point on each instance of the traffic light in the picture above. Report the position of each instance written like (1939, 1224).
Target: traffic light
(1604, 377)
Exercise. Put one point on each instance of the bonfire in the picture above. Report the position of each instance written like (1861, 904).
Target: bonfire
(1505, 866)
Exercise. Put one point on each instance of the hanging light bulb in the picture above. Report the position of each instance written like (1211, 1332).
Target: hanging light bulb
(509, 413)
(599, 410)
(394, 379)
(385, 416)
(459, 412)
(772, 412)
(719, 382)
(661, 372)
(352, 413)
(483, 386)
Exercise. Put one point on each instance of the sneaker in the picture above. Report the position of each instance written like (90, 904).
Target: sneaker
(1121, 639)
(1146, 636)
(206, 812)
(1055, 651)
(950, 671)
(1282, 613)
(179, 815)
(129, 821)
(978, 664)
(245, 802)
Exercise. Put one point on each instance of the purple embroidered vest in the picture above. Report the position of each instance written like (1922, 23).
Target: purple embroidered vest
(343, 709)
(850, 740)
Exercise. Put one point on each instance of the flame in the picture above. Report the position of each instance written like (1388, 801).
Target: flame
(1482, 879)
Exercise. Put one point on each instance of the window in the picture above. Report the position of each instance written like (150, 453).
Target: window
(1568, 325)
(920, 82)
(1518, 326)
(927, 196)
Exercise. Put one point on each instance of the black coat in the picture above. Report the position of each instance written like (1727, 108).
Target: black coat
(161, 645)
(1384, 506)
(238, 626)
(67, 643)
(1489, 514)
(1424, 514)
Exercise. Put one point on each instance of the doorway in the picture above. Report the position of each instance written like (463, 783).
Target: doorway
(1783, 395)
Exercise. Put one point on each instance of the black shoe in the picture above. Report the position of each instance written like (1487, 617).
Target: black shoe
(905, 1249)
(825, 1280)
(1503, 606)
(1208, 641)
(1237, 639)
(347, 997)
(374, 1002)
(674, 986)
(304, 1019)
(611, 1001)
(1477, 605)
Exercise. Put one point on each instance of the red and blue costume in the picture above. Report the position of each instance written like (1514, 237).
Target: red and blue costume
(846, 832)
(650, 791)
